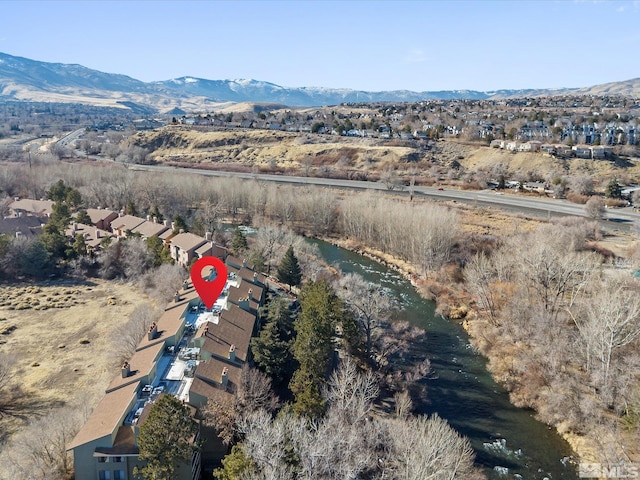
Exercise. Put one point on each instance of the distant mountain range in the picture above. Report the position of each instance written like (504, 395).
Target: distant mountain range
(22, 79)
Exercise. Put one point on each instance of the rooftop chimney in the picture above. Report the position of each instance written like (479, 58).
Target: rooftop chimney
(250, 294)
(232, 353)
(207, 236)
(224, 380)
(243, 303)
(148, 218)
(153, 330)
(165, 223)
(97, 233)
(244, 262)
(154, 219)
(125, 370)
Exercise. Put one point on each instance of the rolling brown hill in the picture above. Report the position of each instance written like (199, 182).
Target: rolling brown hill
(331, 155)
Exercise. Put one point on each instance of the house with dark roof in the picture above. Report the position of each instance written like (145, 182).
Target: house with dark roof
(22, 226)
(247, 296)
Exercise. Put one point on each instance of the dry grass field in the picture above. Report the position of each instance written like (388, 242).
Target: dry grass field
(269, 148)
(57, 336)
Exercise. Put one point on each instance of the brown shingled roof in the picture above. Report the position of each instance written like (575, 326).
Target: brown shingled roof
(234, 327)
(141, 364)
(211, 392)
(187, 241)
(107, 416)
(126, 222)
(211, 371)
(149, 229)
(97, 214)
(249, 275)
(37, 207)
(234, 262)
(92, 236)
(171, 321)
(124, 444)
(236, 294)
(204, 250)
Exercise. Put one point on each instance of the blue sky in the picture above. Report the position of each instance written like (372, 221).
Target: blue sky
(364, 45)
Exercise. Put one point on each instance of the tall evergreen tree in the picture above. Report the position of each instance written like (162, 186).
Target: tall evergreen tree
(289, 269)
(179, 223)
(130, 208)
(321, 310)
(80, 245)
(155, 212)
(83, 217)
(270, 351)
(613, 189)
(166, 439)
(239, 242)
(272, 348)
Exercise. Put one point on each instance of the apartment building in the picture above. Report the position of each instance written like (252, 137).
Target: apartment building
(190, 352)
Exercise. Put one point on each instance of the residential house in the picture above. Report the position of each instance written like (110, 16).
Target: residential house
(581, 151)
(124, 224)
(548, 148)
(29, 206)
(600, 152)
(247, 296)
(150, 228)
(563, 151)
(93, 236)
(21, 226)
(102, 217)
(183, 247)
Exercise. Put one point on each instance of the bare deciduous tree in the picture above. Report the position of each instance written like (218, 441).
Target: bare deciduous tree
(609, 322)
(595, 208)
(368, 302)
(581, 184)
(428, 448)
(39, 450)
(128, 335)
(253, 394)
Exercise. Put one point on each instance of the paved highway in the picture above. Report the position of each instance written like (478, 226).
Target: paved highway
(616, 218)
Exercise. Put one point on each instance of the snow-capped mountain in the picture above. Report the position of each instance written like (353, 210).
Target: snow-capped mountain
(22, 79)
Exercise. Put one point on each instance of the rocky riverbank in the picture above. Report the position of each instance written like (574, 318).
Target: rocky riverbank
(446, 289)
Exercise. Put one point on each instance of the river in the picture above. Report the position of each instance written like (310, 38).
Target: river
(509, 442)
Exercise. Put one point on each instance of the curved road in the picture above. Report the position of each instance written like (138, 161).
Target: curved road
(619, 218)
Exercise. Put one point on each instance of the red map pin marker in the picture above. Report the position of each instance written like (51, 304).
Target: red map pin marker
(209, 291)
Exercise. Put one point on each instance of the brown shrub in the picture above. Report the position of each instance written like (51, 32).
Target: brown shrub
(470, 186)
(615, 202)
(577, 198)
